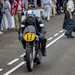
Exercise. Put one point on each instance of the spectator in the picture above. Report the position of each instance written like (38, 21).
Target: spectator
(17, 10)
(1, 15)
(35, 3)
(47, 8)
(13, 26)
(20, 10)
(26, 4)
(7, 10)
(69, 20)
(14, 7)
(39, 3)
(54, 7)
(64, 4)
(59, 6)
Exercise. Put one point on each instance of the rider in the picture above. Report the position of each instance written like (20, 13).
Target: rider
(31, 19)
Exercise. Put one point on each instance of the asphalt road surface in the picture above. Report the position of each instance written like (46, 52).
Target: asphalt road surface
(60, 59)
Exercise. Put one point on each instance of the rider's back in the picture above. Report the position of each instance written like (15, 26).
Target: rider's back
(30, 20)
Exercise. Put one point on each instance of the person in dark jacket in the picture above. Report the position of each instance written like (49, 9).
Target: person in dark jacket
(69, 25)
(60, 5)
(69, 22)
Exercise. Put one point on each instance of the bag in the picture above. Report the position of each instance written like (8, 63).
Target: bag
(70, 6)
(69, 25)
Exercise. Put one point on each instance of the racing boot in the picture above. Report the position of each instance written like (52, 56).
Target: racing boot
(43, 49)
(44, 53)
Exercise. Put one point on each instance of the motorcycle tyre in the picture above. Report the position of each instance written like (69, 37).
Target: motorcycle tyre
(28, 61)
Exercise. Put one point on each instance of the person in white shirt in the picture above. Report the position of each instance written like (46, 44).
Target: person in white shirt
(47, 4)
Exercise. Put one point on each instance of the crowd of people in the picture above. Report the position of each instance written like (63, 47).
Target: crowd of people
(10, 14)
(11, 11)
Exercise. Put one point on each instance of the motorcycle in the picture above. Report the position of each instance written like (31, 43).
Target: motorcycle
(33, 50)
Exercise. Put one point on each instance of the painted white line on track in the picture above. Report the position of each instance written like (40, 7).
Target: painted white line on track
(13, 61)
(54, 40)
(56, 34)
(22, 55)
(50, 38)
(22, 63)
(61, 31)
(1, 69)
(15, 68)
